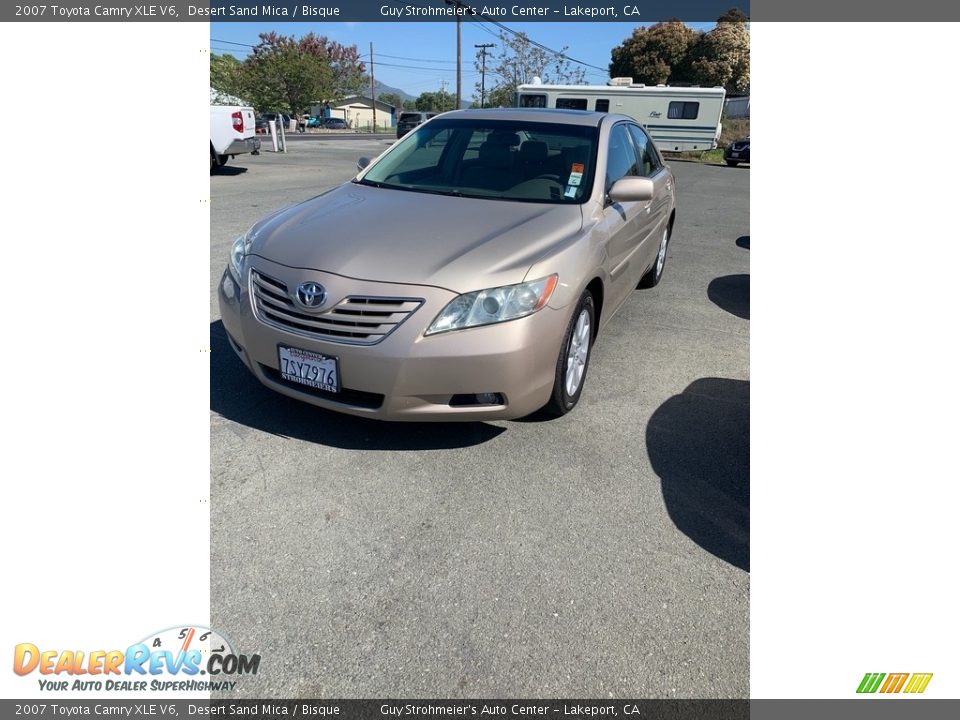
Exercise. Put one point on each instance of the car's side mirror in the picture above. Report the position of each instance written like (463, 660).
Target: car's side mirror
(631, 189)
(362, 163)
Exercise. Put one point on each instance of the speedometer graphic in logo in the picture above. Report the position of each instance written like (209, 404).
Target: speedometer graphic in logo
(198, 646)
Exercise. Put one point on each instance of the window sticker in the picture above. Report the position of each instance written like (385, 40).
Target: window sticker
(571, 191)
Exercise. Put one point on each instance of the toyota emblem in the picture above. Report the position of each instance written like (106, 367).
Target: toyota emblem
(311, 295)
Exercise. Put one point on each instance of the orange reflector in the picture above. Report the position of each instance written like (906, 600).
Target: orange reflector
(548, 289)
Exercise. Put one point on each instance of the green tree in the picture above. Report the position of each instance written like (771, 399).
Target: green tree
(439, 101)
(391, 98)
(722, 56)
(517, 60)
(289, 74)
(655, 55)
(226, 76)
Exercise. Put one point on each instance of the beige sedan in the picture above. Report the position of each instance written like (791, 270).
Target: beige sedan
(462, 275)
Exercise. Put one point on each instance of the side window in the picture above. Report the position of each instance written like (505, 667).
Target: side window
(572, 103)
(621, 156)
(649, 160)
(602, 106)
(533, 101)
(683, 110)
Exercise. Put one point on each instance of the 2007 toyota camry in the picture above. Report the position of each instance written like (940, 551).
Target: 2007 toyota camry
(462, 275)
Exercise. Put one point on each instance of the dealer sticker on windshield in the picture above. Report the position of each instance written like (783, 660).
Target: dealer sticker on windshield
(309, 368)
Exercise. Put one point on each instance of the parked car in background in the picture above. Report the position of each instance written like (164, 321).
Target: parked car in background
(232, 132)
(737, 152)
(539, 226)
(314, 121)
(409, 120)
(335, 124)
(264, 119)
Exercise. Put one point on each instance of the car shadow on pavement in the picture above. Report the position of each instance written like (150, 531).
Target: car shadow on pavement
(238, 396)
(731, 293)
(699, 446)
(744, 242)
(230, 170)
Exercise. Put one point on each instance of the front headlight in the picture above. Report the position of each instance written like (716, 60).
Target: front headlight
(237, 253)
(486, 307)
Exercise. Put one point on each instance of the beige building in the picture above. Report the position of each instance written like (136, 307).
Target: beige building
(358, 112)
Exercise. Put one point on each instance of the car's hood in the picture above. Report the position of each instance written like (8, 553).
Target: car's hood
(396, 236)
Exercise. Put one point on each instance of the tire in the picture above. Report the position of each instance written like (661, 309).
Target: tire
(222, 160)
(576, 346)
(733, 163)
(652, 278)
(213, 160)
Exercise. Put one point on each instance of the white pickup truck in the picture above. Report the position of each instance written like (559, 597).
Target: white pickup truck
(232, 131)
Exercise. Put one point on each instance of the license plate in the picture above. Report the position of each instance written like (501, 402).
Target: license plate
(734, 154)
(309, 368)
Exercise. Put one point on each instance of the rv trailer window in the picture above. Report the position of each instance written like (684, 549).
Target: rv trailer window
(602, 106)
(683, 110)
(533, 101)
(572, 103)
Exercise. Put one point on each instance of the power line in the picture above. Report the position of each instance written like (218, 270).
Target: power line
(231, 42)
(545, 48)
(398, 57)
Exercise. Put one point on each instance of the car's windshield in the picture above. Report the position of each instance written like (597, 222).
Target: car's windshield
(498, 159)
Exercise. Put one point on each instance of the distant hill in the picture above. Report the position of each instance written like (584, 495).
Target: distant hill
(381, 88)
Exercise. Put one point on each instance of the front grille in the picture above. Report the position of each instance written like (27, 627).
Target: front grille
(357, 398)
(357, 319)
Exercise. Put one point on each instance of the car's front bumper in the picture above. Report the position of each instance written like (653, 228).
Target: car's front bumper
(405, 376)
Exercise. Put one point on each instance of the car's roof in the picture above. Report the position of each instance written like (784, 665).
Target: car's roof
(543, 115)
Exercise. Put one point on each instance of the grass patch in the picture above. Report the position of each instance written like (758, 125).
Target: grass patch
(731, 130)
(709, 157)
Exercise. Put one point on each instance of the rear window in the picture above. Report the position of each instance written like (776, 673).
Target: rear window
(410, 117)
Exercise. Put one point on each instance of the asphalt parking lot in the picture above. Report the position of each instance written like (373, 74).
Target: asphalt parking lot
(602, 554)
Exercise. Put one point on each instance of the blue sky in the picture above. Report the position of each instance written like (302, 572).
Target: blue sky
(423, 54)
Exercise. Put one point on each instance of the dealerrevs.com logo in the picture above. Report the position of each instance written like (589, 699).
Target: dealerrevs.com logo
(182, 659)
(911, 683)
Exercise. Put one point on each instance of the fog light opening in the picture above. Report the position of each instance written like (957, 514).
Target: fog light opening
(474, 399)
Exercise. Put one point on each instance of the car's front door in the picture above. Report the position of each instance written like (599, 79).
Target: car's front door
(629, 225)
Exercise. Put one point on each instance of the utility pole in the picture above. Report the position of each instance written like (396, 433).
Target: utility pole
(443, 87)
(483, 71)
(373, 90)
(458, 4)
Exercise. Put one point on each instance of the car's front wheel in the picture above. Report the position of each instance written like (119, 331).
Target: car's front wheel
(574, 358)
(733, 163)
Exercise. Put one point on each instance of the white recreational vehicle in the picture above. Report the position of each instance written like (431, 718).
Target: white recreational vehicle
(678, 118)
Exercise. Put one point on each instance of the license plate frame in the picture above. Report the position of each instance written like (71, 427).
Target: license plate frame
(309, 368)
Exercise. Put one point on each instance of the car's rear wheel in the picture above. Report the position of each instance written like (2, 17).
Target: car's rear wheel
(733, 163)
(652, 278)
(574, 358)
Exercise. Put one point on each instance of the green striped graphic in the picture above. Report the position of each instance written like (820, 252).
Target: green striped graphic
(871, 682)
